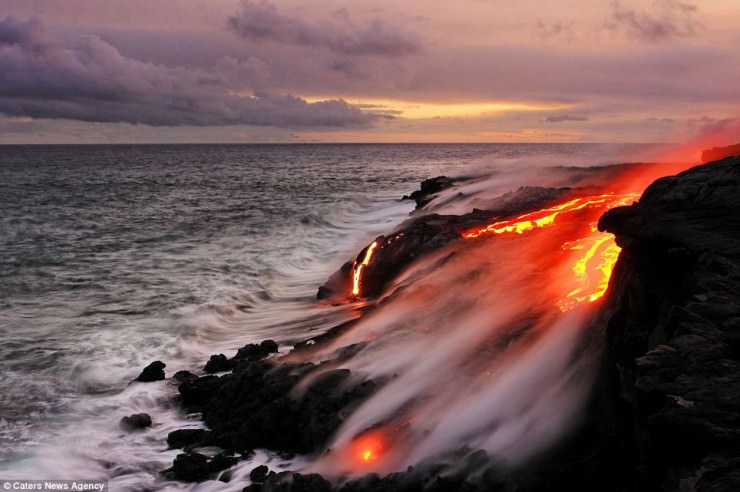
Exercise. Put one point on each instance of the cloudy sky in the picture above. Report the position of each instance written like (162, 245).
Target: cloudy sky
(367, 70)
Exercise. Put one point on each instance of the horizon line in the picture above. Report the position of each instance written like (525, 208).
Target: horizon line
(330, 143)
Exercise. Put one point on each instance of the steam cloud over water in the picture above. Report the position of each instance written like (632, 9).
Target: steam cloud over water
(475, 352)
(474, 345)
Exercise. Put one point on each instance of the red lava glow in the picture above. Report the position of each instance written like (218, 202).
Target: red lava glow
(367, 448)
(547, 216)
(593, 268)
(357, 269)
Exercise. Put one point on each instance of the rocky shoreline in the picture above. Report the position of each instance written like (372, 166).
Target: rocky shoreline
(664, 414)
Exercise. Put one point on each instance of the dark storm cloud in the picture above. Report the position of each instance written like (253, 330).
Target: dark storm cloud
(90, 80)
(671, 19)
(21, 33)
(261, 21)
(559, 118)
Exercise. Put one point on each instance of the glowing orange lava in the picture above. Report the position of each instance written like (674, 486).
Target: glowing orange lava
(593, 269)
(367, 448)
(357, 269)
(547, 216)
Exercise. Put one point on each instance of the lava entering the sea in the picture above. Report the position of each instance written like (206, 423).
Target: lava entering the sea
(593, 268)
(476, 342)
(367, 448)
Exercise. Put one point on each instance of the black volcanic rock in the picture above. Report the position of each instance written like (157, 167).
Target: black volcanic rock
(695, 210)
(255, 405)
(190, 467)
(429, 188)
(255, 351)
(136, 421)
(673, 367)
(196, 467)
(253, 408)
(184, 376)
(259, 474)
(197, 391)
(152, 372)
(221, 462)
(182, 438)
(218, 363)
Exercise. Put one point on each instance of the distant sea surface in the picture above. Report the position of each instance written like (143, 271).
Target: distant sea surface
(114, 256)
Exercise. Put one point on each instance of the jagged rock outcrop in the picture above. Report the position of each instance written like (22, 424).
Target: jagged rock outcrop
(429, 189)
(672, 354)
(152, 372)
(257, 404)
(137, 421)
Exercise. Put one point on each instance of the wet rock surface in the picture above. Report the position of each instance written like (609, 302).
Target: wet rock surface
(184, 438)
(218, 363)
(152, 372)
(257, 404)
(137, 421)
(429, 188)
(196, 467)
(259, 474)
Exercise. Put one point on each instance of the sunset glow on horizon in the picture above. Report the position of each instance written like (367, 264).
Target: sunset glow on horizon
(370, 71)
(409, 109)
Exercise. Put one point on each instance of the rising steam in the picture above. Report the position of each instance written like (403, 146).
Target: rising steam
(485, 344)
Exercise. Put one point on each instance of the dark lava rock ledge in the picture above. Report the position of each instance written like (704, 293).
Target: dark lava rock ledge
(672, 367)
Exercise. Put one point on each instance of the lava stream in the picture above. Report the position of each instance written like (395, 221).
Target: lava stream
(357, 269)
(593, 269)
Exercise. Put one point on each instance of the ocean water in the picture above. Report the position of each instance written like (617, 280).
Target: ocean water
(114, 256)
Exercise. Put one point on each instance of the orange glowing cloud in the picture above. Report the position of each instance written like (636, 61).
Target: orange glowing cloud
(409, 109)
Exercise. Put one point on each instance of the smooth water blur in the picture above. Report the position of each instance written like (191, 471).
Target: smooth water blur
(114, 256)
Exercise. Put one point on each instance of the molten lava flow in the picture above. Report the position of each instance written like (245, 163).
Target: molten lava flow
(591, 270)
(367, 448)
(357, 269)
(470, 346)
(547, 216)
